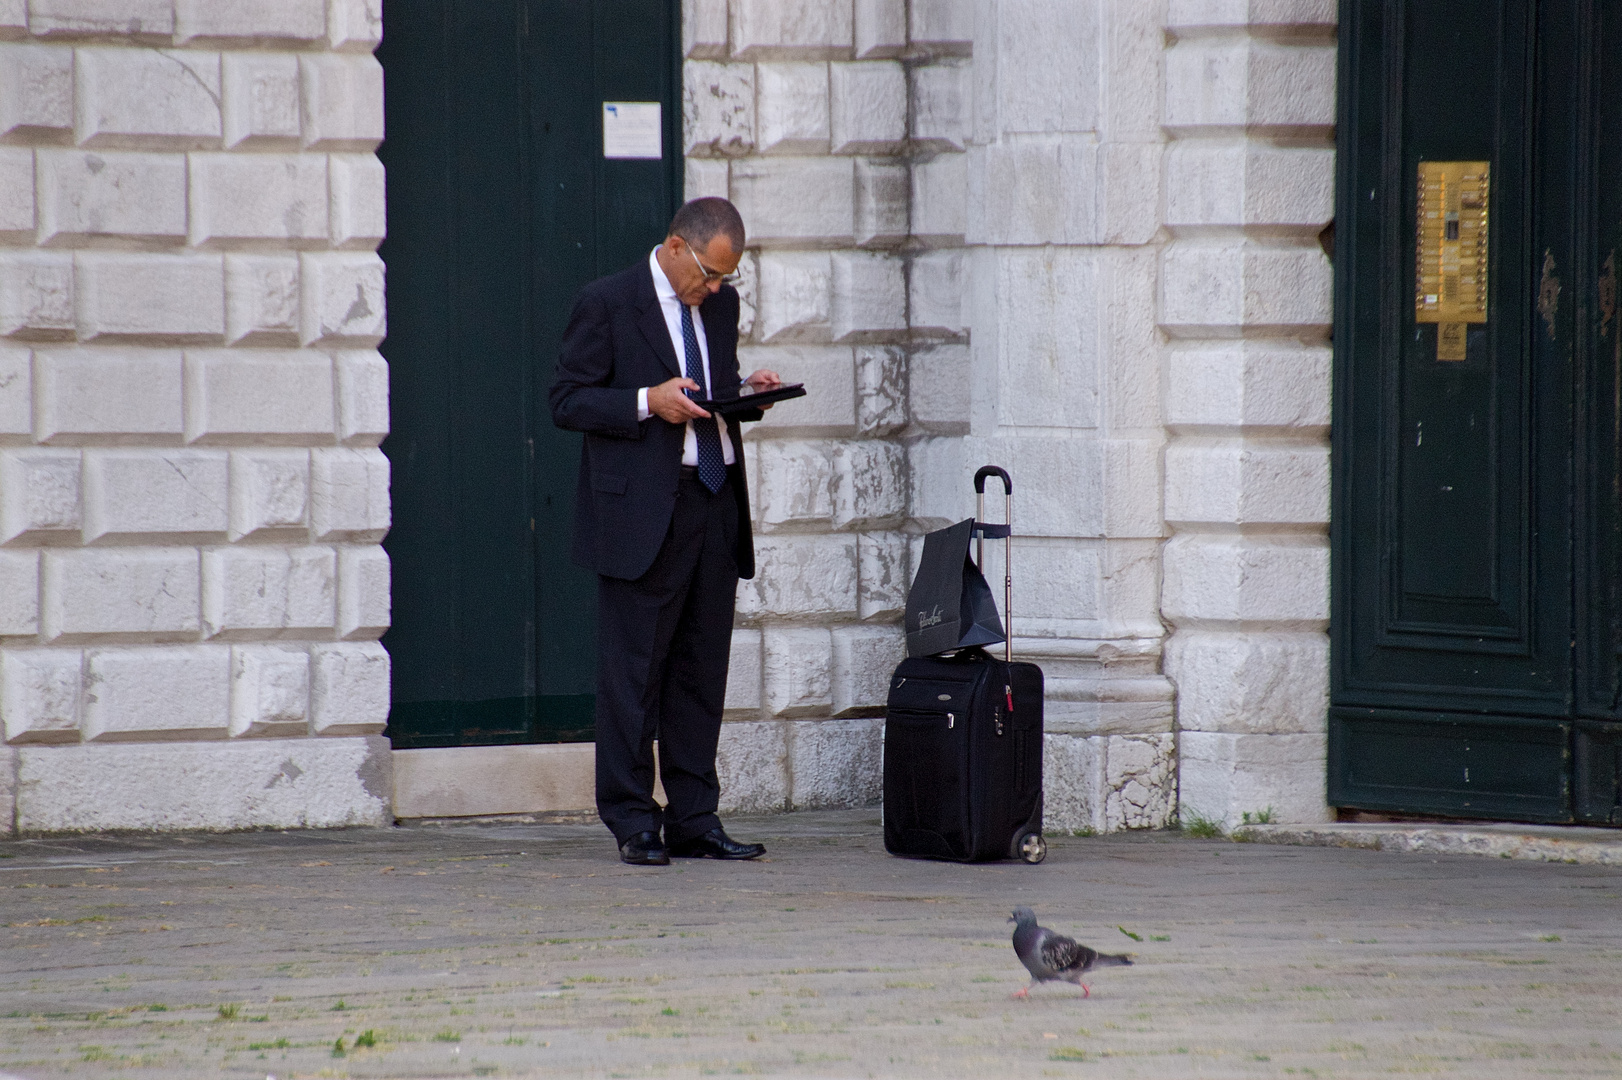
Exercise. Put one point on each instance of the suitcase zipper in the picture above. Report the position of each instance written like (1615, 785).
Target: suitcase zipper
(997, 713)
(951, 718)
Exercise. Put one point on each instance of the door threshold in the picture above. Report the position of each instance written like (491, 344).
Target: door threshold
(1583, 845)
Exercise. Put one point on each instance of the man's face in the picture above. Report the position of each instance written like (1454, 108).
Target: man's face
(695, 273)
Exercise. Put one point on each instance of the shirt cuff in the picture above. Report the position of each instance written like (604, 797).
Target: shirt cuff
(642, 410)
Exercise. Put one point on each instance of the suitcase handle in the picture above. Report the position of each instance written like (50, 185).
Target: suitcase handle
(1006, 531)
(992, 470)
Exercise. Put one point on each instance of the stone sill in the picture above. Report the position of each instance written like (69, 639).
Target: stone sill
(1539, 843)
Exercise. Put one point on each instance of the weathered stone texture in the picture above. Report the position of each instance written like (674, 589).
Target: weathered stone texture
(797, 668)
(1250, 683)
(349, 688)
(143, 594)
(236, 396)
(87, 195)
(792, 104)
(1108, 783)
(270, 690)
(39, 496)
(752, 761)
(188, 194)
(835, 763)
(269, 592)
(1222, 776)
(146, 98)
(178, 694)
(1245, 298)
(107, 396)
(880, 28)
(16, 394)
(152, 495)
(789, 29)
(251, 783)
(36, 91)
(19, 593)
(301, 21)
(260, 100)
(40, 695)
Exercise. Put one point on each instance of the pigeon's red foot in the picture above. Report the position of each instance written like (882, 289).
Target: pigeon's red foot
(1022, 992)
(1086, 993)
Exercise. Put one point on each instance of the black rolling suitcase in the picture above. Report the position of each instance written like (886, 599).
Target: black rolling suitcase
(963, 734)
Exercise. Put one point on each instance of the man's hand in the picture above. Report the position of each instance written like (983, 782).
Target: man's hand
(668, 402)
(762, 380)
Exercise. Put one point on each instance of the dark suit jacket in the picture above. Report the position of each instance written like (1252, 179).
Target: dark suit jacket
(617, 342)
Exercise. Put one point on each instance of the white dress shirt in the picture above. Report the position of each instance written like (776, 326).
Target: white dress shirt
(670, 304)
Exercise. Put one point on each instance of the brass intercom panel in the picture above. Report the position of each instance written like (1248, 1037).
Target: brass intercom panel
(1450, 279)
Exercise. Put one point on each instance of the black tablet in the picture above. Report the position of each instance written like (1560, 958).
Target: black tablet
(752, 401)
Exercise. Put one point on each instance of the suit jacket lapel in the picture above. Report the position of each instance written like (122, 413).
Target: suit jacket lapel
(652, 322)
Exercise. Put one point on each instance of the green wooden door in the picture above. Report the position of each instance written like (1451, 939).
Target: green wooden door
(501, 205)
(1475, 518)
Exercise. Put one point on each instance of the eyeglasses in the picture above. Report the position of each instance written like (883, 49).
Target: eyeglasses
(711, 275)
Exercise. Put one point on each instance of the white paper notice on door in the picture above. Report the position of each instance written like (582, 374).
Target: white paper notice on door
(632, 129)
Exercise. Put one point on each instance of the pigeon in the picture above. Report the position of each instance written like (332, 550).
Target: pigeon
(1048, 956)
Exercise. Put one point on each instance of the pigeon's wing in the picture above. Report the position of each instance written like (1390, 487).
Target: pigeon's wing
(1064, 956)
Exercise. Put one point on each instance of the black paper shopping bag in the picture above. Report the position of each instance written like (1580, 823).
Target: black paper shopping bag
(949, 605)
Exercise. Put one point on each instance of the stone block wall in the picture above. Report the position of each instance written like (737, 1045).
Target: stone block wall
(1078, 238)
(1244, 304)
(191, 403)
(823, 122)
(1063, 227)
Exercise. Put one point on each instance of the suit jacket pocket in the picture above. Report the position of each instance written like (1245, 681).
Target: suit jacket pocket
(602, 481)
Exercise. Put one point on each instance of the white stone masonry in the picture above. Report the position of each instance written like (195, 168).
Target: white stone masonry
(191, 403)
(1245, 307)
(824, 122)
(1064, 180)
(1077, 238)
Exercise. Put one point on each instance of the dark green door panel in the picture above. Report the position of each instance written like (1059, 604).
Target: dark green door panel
(1475, 525)
(1598, 592)
(1598, 766)
(1441, 546)
(500, 207)
(592, 217)
(1599, 386)
(1450, 763)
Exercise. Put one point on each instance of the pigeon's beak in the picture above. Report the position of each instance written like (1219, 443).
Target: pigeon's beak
(1012, 919)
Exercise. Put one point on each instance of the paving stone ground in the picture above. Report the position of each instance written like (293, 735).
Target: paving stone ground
(529, 951)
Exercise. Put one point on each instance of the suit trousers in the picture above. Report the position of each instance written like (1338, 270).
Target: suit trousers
(663, 643)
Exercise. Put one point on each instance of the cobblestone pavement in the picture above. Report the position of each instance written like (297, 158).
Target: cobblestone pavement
(507, 950)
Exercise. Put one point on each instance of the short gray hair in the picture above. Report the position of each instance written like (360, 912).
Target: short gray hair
(701, 220)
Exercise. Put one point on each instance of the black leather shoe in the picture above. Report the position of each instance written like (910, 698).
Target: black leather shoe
(645, 849)
(716, 844)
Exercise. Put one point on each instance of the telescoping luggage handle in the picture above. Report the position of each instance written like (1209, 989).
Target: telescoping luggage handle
(1006, 531)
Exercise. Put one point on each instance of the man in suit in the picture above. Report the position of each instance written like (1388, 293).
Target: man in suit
(662, 516)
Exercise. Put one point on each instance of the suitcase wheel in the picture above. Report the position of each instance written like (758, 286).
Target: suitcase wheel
(1032, 848)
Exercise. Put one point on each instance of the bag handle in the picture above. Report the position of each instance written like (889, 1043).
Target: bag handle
(1006, 532)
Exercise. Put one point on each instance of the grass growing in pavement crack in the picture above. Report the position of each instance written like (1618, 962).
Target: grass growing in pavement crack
(1195, 824)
